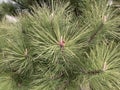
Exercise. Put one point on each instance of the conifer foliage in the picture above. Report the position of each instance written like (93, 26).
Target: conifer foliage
(53, 49)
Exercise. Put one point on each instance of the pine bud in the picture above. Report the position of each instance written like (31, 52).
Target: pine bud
(105, 18)
(61, 42)
(105, 66)
(26, 52)
(52, 16)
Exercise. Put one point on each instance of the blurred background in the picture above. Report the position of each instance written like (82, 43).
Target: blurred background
(9, 9)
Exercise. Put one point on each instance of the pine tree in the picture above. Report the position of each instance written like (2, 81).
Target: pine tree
(53, 49)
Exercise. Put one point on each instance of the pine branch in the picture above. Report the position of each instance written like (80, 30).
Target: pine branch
(97, 31)
(93, 72)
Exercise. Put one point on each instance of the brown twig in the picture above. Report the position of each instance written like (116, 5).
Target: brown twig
(98, 30)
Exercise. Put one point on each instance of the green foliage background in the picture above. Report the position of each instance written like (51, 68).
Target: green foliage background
(54, 48)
